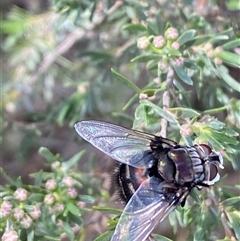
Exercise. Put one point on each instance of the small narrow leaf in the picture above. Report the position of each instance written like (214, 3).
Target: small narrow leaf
(105, 236)
(130, 102)
(126, 81)
(108, 210)
(73, 160)
(43, 151)
(231, 44)
(161, 112)
(69, 231)
(146, 57)
(234, 84)
(36, 197)
(158, 237)
(230, 201)
(230, 58)
(186, 36)
(183, 75)
(185, 112)
(134, 27)
(73, 209)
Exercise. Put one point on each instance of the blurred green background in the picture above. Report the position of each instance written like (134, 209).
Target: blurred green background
(56, 60)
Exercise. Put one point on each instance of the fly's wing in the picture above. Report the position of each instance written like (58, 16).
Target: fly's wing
(149, 205)
(122, 144)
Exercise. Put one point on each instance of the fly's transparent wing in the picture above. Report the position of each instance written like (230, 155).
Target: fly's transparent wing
(149, 205)
(122, 144)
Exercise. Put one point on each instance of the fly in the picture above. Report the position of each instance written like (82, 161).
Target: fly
(155, 176)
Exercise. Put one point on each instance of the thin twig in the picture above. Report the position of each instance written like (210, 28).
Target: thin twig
(70, 41)
(228, 231)
(166, 101)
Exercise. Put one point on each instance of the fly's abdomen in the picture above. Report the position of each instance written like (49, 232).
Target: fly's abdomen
(129, 179)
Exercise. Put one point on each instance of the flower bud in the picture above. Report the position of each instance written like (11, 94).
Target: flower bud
(178, 61)
(18, 213)
(81, 204)
(175, 45)
(6, 205)
(207, 46)
(237, 51)
(49, 199)
(35, 214)
(186, 130)
(59, 207)
(55, 165)
(81, 89)
(143, 43)
(10, 235)
(51, 184)
(171, 33)
(21, 194)
(4, 213)
(218, 61)
(143, 96)
(72, 192)
(26, 222)
(163, 66)
(159, 41)
(218, 50)
(68, 181)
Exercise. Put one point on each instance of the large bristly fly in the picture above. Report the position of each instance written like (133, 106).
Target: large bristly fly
(156, 174)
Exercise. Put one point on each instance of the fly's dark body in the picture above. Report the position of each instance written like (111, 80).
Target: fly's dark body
(156, 174)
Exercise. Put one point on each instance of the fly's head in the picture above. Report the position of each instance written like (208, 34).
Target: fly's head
(212, 161)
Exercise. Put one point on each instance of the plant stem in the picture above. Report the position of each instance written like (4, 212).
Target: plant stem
(166, 101)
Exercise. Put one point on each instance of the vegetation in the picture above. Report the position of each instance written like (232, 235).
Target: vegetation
(157, 66)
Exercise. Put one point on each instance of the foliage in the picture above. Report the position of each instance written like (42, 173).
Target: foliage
(156, 64)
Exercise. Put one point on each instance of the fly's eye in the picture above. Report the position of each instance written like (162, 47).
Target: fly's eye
(213, 172)
(207, 150)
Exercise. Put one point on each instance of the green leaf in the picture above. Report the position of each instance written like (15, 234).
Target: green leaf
(105, 236)
(161, 112)
(108, 210)
(230, 58)
(149, 92)
(73, 209)
(218, 125)
(182, 75)
(186, 36)
(185, 112)
(96, 55)
(73, 160)
(130, 102)
(221, 137)
(6, 176)
(87, 198)
(234, 219)
(231, 44)
(218, 38)
(223, 72)
(125, 81)
(134, 27)
(230, 201)
(158, 237)
(43, 151)
(197, 40)
(69, 231)
(146, 57)
(36, 197)
(30, 234)
(174, 53)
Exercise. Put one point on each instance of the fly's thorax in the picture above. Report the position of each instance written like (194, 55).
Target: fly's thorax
(181, 157)
(211, 162)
